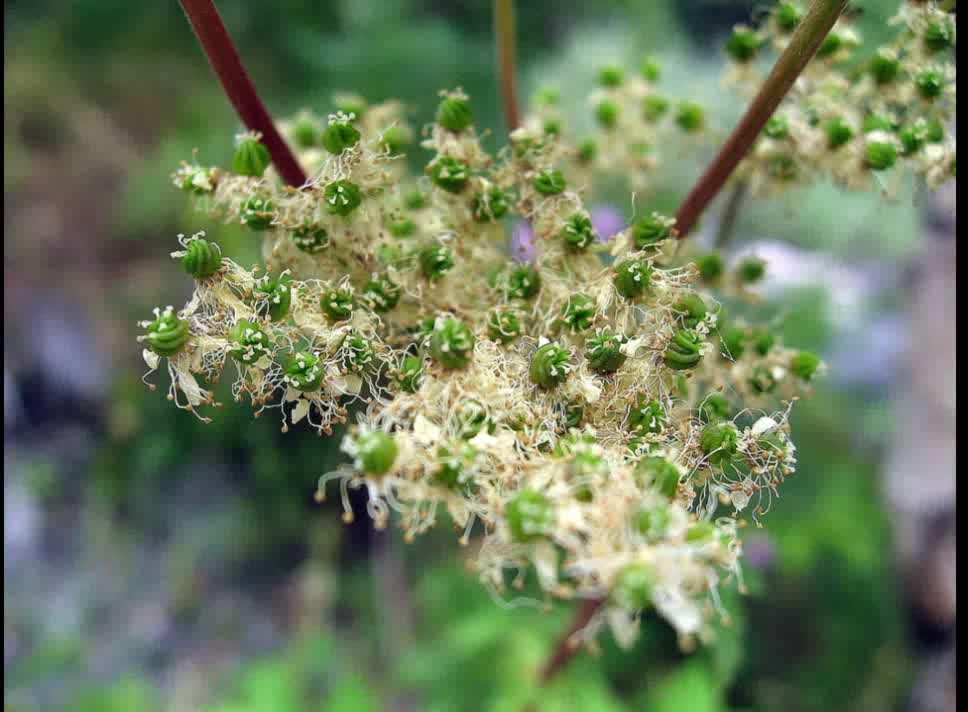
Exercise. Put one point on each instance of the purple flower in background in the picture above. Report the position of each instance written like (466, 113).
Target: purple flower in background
(522, 241)
(759, 551)
(607, 221)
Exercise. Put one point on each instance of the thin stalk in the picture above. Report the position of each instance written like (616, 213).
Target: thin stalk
(807, 38)
(505, 40)
(803, 45)
(727, 223)
(224, 58)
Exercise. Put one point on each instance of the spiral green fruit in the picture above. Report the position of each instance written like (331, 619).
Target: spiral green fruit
(550, 365)
(743, 44)
(939, 35)
(710, 266)
(683, 351)
(449, 173)
(604, 351)
(732, 342)
(611, 75)
(549, 182)
(884, 67)
(831, 44)
(381, 294)
(930, 83)
(788, 15)
(777, 127)
(411, 373)
(304, 130)
(578, 312)
(632, 277)
(552, 126)
(804, 365)
(650, 69)
(451, 343)
(415, 200)
(913, 136)
(523, 282)
(606, 113)
(470, 418)
(839, 132)
(342, 197)
(690, 116)
(166, 335)
(337, 303)
(257, 212)
(355, 352)
(251, 157)
(310, 238)
(654, 107)
(202, 258)
(634, 586)
(719, 443)
(303, 372)
(490, 205)
(277, 293)
(530, 516)
(658, 473)
(503, 326)
(195, 179)
(652, 523)
(646, 415)
(454, 113)
(762, 380)
(587, 150)
(395, 139)
(340, 135)
(454, 463)
(880, 155)
(762, 340)
(376, 452)
(578, 232)
(435, 261)
(651, 230)
(251, 342)
(935, 130)
(714, 408)
(690, 310)
(876, 121)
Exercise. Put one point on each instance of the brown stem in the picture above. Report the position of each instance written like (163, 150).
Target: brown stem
(566, 648)
(222, 55)
(803, 45)
(505, 40)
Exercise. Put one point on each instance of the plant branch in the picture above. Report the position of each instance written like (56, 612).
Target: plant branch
(808, 36)
(222, 55)
(505, 41)
(803, 45)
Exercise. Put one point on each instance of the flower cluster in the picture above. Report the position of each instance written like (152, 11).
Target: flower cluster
(591, 407)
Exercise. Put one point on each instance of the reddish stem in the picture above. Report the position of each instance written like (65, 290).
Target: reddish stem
(566, 648)
(505, 40)
(222, 55)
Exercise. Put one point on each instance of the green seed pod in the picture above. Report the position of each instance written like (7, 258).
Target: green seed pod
(251, 157)
(831, 44)
(436, 260)
(451, 343)
(310, 238)
(691, 309)
(777, 127)
(277, 293)
(751, 269)
(646, 415)
(578, 312)
(303, 372)
(611, 75)
(702, 530)
(411, 373)
(690, 116)
(880, 155)
(651, 230)
(634, 586)
(549, 182)
(491, 205)
(935, 130)
(550, 365)
(304, 130)
(375, 452)
(578, 232)
(395, 139)
(719, 443)
(415, 200)
(804, 365)
(913, 136)
(762, 380)
(658, 473)
(523, 282)
(710, 267)
(454, 463)
(732, 342)
(449, 173)
(604, 351)
(166, 335)
(381, 294)
(714, 408)
(930, 83)
(743, 44)
(654, 107)
(202, 258)
(761, 340)
(401, 227)
(471, 418)
(606, 113)
(454, 113)
(876, 121)
(585, 462)
(337, 303)
(587, 150)
(530, 516)
(652, 523)
(257, 212)
(939, 35)
(252, 343)
(683, 351)
(503, 326)
(633, 277)
(884, 66)
(839, 132)
(651, 69)
(340, 134)
(342, 197)
(355, 352)
(787, 15)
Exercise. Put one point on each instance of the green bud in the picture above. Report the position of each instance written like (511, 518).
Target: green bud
(503, 326)
(337, 303)
(310, 238)
(166, 335)
(411, 373)
(340, 135)
(375, 452)
(651, 69)
(436, 260)
(719, 442)
(751, 269)
(654, 107)
(632, 277)
(587, 150)
(471, 418)
(606, 113)
(651, 230)
(449, 173)
(634, 586)
(714, 408)
(939, 35)
(574, 413)
(804, 365)
(578, 312)
(782, 167)
(732, 342)
(691, 309)
(305, 130)
(604, 351)
(710, 267)
(578, 232)
(303, 372)
(550, 365)
(875, 121)
(202, 258)
(454, 113)
(761, 379)
(381, 294)
(451, 343)
(352, 105)
(415, 200)
(342, 197)
(880, 155)
(646, 415)
(762, 340)
(257, 212)
(523, 282)
(690, 116)
(913, 136)
(193, 178)
(652, 523)
(683, 351)
(935, 130)
(530, 516)
(930, 83)
(251, 342)
(831, 44)
(777, 127)
(277, 295)
(611, 76)
(743, 44)
(491, 205)
(401, 227)
(839, 132)
(395, 139)
(700, 531)
(251, 157)
(658, 473)
(355, 352)
(884, 66)
(546, 96)
(549, 182)
(787, 15)
(453, 467)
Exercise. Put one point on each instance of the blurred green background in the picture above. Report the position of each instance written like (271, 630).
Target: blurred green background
(156, 563)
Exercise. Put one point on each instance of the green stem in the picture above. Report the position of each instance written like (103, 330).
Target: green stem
(505, 40)
(807, 38)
